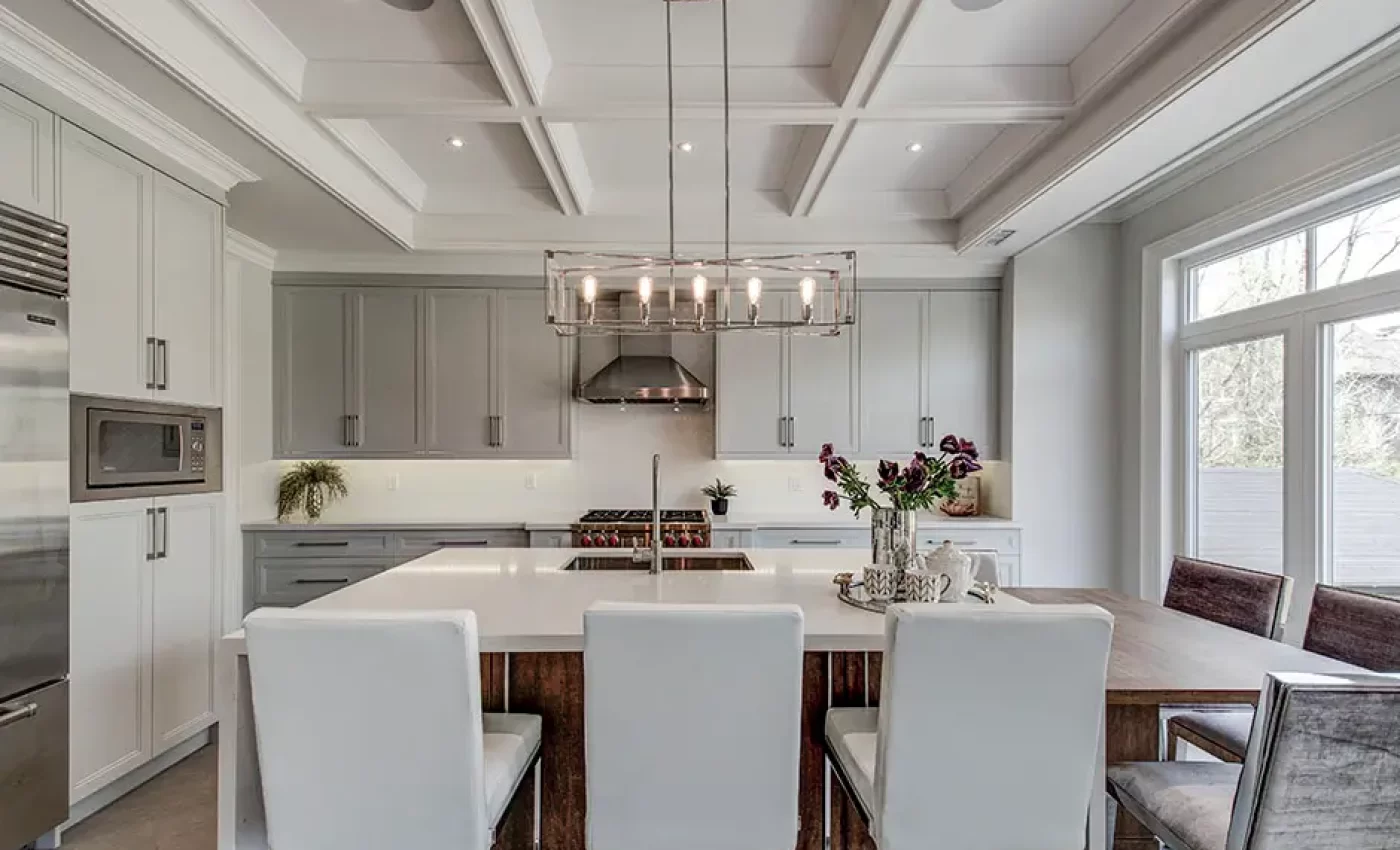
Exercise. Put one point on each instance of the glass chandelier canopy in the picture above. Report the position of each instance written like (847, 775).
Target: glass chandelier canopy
(607, 293)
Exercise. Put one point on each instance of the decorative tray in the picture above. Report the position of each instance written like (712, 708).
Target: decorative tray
(852, 592)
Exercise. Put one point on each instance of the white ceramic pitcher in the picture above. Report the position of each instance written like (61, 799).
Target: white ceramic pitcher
(960, 567)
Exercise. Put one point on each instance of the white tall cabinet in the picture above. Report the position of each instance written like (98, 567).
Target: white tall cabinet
(26, 151)
(145, 603)
(146, 256)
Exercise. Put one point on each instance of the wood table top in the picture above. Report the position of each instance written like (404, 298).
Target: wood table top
(1163, 657)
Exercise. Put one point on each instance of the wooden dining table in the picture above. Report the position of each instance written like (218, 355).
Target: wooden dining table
(1163, 658)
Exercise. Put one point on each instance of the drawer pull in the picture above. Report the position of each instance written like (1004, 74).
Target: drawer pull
(24, 712)
(321, 581)
(322, 544)
(463, 542)
(796, 542)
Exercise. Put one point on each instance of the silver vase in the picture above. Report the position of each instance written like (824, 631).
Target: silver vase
(893, 537)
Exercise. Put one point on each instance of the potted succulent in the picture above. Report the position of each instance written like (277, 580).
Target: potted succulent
(719, 494)
(921, 485)
(308, 487)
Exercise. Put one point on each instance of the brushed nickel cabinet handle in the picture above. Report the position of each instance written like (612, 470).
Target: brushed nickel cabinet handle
(15, 715)
(163, 361)
(150, 362)
(463, 542)
(792, 431)
(150, 534)
(796, 542)
(163, 514)
(321, 581)
(322, 544)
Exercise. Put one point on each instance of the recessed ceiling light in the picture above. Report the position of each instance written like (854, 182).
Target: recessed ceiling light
(685, 147)
(914, 147)
(455, 142)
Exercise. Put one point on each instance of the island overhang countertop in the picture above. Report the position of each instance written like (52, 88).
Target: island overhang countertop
(526, 601)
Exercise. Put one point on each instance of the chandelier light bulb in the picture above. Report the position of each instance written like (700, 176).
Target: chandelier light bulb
(808, 289)
(644, 287)
(590, 289)
(755, 290)
(698, 285)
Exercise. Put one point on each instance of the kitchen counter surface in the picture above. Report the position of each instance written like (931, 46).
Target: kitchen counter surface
(844, 520)
(525, 602)
(743, 522)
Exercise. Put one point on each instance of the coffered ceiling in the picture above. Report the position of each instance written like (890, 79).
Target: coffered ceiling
(908, 128)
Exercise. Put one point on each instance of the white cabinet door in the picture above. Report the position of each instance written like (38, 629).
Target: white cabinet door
(26, 154)
(963, 377)
(188, 262)
(110, 731)
(105, 199)
(750, 391)
(534, 406)
(184, 617)
(892, 373)
(822, 388)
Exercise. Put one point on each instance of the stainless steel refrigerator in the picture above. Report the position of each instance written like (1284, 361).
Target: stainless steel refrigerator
(33, 526)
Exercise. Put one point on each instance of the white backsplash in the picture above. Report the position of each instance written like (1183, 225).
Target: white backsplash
(611, 468)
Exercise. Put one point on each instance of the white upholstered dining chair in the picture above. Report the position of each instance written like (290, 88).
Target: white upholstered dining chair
(371, 735)
(692, 719)
(988, 728)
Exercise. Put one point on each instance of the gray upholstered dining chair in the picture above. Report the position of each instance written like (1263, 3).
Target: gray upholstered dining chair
(1322, 773)
(1347, 625)
(1242, 599)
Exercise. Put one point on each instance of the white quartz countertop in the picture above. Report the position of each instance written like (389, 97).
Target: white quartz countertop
(740, 522)
(525, 602)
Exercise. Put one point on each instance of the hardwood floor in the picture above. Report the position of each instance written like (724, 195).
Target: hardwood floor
(174, 811)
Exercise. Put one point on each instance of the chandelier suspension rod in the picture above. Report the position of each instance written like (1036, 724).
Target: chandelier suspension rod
(671, 148)
(724, 25)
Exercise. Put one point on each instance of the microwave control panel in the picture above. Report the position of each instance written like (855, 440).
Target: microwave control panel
(197, 445)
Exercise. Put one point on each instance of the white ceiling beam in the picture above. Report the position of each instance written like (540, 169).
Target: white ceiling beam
(375, 89)
(868, 46)
(1041, 91)
(992, 163)
(1137, 30)
(245, 26)
(511, 37)
(362, 140)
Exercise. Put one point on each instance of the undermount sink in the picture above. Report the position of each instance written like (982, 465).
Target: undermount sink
(725, 562)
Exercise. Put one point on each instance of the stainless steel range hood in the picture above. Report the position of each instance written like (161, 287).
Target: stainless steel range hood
(644, 371)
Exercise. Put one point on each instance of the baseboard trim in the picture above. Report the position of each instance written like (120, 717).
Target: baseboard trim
(104, 797)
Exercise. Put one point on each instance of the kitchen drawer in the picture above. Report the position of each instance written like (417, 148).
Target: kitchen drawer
(783, 538)
(722, 538)
(550, 539)
(33, 764)
(1000, 540)
(323, 544)
(415, 544)
(292, 581)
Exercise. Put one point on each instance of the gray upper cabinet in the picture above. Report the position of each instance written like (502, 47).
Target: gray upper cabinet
(533, 401)
(460, 347)
(413, 372)
(928, 367)
(782, 394)
(311, 353)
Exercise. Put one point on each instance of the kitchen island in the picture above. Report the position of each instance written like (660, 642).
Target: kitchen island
(529, 607)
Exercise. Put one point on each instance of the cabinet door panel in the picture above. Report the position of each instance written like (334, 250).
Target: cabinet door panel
(822, 387)
(184, 618)
(749, 391)
(533, 397)
(386, 385)
(110, 642)
(312, 350)
(459, 343)
(892, 371)
(26, 154)
(187, 270)
(105, 199)
(963, 371)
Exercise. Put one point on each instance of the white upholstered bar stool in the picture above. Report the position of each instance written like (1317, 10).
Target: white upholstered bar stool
(987, 732)
(371, 735)
(693, 719)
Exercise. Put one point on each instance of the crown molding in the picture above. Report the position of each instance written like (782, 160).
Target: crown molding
(248, 249)
(31, 52)
(247, 28)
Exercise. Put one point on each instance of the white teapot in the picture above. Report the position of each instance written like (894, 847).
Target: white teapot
(957, 565)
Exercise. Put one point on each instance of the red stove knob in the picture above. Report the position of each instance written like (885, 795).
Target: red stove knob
(585, 541)
(599, 539)
(684, 540)
(614, 540)
(697, 540)
(668, 540)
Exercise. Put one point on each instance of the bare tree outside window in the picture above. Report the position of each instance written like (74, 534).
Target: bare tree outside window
(1361, 245)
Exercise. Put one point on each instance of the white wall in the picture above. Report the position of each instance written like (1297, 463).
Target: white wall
(1061, 407)
(1351, 139)
(258, 471)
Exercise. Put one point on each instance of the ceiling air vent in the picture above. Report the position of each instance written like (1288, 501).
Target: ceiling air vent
(999, 236)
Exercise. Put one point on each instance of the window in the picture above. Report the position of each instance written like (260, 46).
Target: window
(1267, 273)
(1365, 449)
(1357, 246)
(1239, 392)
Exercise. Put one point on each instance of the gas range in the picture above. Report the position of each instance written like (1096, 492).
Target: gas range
(609, 529)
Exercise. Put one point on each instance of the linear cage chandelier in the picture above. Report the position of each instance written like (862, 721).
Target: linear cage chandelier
(807, 293)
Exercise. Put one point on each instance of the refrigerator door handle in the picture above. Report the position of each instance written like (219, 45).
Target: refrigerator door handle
(23, 712)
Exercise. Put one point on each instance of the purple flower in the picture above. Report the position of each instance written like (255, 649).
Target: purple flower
(888, 470)
(973, 465)
(921, 458)
(831, 500)
(827, 451)
(915, 477)
(967, 447)
(958, 467)
(950, 444)
(829, 470)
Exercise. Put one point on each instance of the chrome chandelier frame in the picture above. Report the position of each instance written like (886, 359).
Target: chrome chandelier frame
(807, 293)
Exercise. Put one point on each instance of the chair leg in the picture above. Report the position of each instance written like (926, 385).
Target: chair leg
(1111, 816)
(1171, 743)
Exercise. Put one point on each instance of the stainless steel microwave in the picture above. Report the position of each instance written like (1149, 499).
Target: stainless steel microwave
(124, 449)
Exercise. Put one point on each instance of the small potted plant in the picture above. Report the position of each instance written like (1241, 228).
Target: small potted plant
(719, 494)
(308, 487)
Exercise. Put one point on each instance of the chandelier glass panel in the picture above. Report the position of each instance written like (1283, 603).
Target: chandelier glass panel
(604, 292)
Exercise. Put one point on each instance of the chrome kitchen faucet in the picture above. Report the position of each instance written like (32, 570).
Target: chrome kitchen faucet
(637, 555)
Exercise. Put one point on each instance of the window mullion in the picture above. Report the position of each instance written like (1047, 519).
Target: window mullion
(1310, 252)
